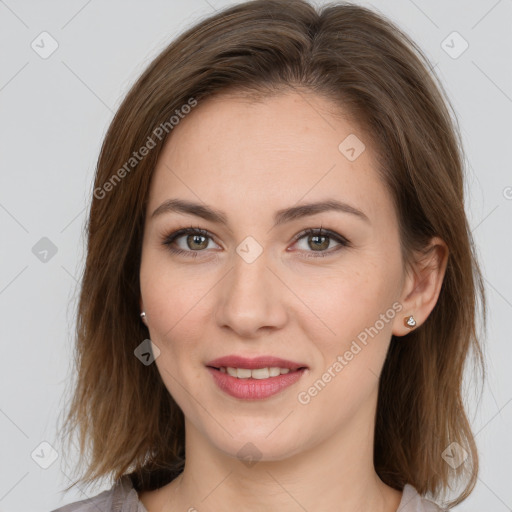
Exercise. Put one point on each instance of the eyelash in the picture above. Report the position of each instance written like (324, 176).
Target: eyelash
(169, 239)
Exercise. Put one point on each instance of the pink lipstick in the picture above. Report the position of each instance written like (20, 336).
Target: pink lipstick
(254, 378)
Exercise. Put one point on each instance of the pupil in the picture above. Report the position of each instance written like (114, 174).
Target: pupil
(317, 244)
(196, 239)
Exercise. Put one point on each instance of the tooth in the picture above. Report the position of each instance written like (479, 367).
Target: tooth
(257, 373)
(260, 373)
(274, 371)
(243, 373)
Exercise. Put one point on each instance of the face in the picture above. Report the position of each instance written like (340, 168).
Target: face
(255, 283)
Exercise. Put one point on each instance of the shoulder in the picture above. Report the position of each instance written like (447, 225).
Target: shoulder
(121, 497)
(413, 502)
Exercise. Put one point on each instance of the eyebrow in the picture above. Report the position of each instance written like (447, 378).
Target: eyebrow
(280, 217)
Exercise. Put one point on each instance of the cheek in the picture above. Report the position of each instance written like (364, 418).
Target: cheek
(174, 329)
(357, 308)
(171, 293)
(168, 303)
(342, 303)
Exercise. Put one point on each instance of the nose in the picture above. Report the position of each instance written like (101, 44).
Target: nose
(251, 299)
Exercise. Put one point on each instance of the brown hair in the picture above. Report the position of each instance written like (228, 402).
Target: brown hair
(125, 417)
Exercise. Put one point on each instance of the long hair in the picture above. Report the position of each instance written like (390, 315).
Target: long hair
(124, 417)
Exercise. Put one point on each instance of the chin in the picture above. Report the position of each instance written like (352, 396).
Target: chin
(252, 445)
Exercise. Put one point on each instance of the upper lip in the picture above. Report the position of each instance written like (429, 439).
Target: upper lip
(234, 361)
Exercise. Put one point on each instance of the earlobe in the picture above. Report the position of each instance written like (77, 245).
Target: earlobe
(410, 321)
(142, 312)
(422, 286)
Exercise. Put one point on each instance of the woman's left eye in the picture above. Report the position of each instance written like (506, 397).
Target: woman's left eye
(197, 240)
(320, 239)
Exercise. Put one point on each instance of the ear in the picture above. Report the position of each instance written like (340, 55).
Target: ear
(422, 285)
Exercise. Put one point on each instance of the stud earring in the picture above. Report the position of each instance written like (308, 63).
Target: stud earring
(143, 316)
(409, 321)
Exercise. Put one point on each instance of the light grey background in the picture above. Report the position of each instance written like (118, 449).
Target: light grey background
(54, 114)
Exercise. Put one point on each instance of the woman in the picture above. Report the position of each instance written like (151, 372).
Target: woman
(281, 289)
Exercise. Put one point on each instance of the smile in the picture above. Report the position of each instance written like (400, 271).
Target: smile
(257, 373)
(256, 383)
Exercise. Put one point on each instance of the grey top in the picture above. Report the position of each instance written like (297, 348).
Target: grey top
(122, 497)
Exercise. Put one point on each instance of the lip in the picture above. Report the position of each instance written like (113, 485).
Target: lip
(254, 389)
(235, 361)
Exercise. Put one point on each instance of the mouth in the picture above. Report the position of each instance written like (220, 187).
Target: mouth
(266, 372)
(254, 363)
(256, 378)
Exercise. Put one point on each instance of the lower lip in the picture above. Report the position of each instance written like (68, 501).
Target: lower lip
(254, 389)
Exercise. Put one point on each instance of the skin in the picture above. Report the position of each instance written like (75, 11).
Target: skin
(250, 159)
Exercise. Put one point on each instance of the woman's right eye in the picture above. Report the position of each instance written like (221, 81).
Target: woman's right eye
(196, 240)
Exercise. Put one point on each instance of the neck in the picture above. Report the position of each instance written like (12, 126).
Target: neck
(337, 475)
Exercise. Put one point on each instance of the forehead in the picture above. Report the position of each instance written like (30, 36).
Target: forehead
(251, 155)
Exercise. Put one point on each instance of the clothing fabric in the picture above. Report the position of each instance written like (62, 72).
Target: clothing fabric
(122, 497)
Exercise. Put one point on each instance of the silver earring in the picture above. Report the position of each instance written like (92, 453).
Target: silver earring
(409, 321)
(143, 315)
